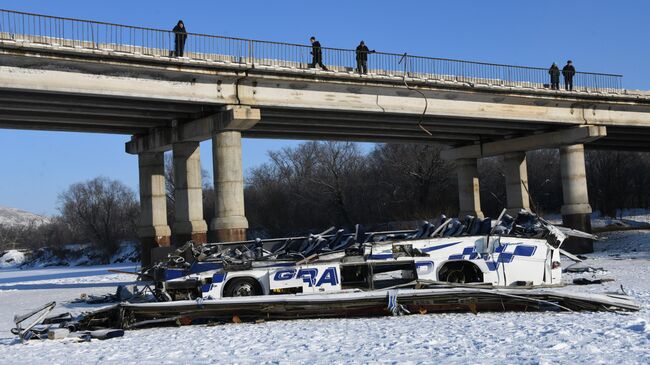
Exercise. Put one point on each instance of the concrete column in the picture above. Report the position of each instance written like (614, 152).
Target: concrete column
(152, 229)
(468, 187)
(230, 222)
(188, 194)
(516, 174)
(576, 211)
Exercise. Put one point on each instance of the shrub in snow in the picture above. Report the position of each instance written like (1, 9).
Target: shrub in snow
(11, 259)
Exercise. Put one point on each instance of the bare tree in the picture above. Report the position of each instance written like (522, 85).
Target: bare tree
(616, 180)
(103, 211)
(332, 183)
(492, 185)
(414, 181)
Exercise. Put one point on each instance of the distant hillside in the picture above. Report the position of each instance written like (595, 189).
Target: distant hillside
(17, 217)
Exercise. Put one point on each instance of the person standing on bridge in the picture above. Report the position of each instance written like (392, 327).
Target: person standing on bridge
(180, 35)
(568, 71)
(554, 71)
(362, 58)
(316, 54)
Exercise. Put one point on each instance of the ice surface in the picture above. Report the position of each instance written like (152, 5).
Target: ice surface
(493, 338)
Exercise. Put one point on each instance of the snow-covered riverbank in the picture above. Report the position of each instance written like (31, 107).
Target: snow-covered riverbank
(447, 338)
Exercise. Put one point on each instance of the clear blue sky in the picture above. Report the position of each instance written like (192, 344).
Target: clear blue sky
(599, 36)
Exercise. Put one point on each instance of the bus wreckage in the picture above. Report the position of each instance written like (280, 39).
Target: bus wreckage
(511, 251)
(473, 265)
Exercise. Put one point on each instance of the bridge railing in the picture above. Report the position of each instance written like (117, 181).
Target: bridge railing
(93, 35)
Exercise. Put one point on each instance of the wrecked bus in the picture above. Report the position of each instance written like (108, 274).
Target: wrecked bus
(519, 251)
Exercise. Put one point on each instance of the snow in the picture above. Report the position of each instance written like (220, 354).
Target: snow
(77, 255)
(454, 338)
(17, 217)
(11, 259)
(639, 218)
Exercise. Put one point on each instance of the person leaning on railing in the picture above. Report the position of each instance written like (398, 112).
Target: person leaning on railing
(554, 71)
(180, 35)
(362, 58)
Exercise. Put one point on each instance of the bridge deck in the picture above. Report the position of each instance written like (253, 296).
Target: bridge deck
(208, 80)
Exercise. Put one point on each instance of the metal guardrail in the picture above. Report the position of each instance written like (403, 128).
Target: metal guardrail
(86, 34)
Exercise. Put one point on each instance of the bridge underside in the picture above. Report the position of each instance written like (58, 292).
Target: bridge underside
(115, 115)
(46, 87)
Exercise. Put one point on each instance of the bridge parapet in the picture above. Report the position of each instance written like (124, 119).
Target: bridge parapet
(84, 34)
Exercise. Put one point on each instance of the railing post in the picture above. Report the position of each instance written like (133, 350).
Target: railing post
(92, 37)
(251, 53)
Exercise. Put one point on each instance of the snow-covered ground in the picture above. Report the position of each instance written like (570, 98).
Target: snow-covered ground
(11, 259)
(68, 255)
(436, 338)
(625, 218)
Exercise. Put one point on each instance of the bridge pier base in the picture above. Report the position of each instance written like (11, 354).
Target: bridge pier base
(468, 188)
(230, 221)
(516, 175)
(576, 211)
(188, 194)
(152, 229)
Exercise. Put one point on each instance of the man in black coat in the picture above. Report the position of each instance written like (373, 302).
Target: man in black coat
(180, 35)
(554, 71)
(316, 54)
(362, 58)
(568, 71)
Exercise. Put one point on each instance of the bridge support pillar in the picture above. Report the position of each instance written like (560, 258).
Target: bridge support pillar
(152, 228)
(188, 194)
(230, 221)
(516, 174)
(468, 187)
(576, 211)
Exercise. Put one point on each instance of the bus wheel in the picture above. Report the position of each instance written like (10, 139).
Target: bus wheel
(242, 287)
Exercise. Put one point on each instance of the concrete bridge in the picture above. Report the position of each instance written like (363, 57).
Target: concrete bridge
(83, 76)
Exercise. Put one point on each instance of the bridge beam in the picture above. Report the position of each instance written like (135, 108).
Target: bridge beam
(565, 137)
(576, 211)
(230, 223)
(232, 117)
(188, 194)
(516, 174)
(152, 228)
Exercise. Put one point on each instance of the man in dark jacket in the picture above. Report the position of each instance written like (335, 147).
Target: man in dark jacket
(316, 54)
(362, 58)
(180, 35)
(568, 71)
(554, 71)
